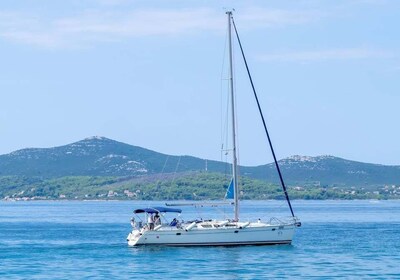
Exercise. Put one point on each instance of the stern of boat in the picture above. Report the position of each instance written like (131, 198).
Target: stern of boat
(133, 237)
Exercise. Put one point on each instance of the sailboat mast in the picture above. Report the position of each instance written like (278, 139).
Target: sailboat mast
(234, 162)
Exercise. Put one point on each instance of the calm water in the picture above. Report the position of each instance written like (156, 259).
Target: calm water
(78, 240)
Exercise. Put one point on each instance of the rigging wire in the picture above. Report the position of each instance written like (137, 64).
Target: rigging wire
(176, 169)
(160, 177)
(221, 101)
(224, 113)
(165, 164)
(236, 122)
(263, 120)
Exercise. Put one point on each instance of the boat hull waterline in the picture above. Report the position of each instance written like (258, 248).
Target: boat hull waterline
(251, 234)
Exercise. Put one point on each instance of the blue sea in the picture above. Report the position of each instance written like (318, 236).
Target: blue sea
(87, 240)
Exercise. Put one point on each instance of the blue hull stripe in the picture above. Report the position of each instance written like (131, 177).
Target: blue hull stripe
(221, 243)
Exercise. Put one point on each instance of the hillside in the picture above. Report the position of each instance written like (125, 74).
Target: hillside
(183, 186)
(327, 171)
(99, 156)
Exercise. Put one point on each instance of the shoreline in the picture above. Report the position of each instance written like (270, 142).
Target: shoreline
(205, 201)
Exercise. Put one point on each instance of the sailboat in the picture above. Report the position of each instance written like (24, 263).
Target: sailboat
(226, 232)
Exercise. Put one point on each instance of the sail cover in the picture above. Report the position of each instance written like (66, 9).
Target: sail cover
(230, 192)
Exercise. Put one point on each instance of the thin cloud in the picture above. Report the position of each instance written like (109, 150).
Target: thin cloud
(101, 26)
(141, 23)
(324, 55)
(257, 17)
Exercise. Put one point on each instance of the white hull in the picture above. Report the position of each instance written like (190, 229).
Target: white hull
(233, 234)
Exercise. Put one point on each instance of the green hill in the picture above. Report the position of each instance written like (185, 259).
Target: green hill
(99, 156)
(327, 170)
(92, 167)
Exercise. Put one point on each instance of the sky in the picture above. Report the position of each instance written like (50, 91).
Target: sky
(153, 74)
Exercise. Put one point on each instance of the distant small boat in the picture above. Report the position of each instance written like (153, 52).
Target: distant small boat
(153, 231)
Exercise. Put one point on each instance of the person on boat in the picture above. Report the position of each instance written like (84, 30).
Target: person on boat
(150, 221)
(174, 222)
(157, 219)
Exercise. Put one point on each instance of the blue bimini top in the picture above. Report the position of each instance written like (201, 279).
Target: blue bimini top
(152, 210)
